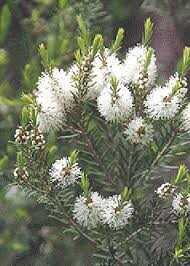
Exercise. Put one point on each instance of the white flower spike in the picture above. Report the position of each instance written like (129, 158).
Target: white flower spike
(115, 213)
(63, 173)
(115, 105)
(139, 131)
(87, 210)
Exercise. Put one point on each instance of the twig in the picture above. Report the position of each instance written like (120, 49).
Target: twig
(130, 164)
(93, 152)
(72, 222)
(163, 151)
(159, 156)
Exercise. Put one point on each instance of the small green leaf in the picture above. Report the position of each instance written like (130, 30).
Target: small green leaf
(5, 20)
(44, 57)
(85, 184)
(178, 254)
(114, 83)
(20, 159)
(148, 58)
(73, 157)
(148, 31)
(117, 43)
(84, 40)
(181, 231)
(97, 44)
(184, 64)
(182, 172)
(25, 116)
(4, 57)
(33, 115)
(21, 213)
(78, 56)
(4, 162)
(125, 194)
(81, 44)
(19, 247)
(62, 3)
(27, 99)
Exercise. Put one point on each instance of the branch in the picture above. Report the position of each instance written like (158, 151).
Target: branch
(94, 153)
(75, 225)
(159, 157)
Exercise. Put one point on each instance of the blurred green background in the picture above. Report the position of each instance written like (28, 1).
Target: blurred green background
(27, 235)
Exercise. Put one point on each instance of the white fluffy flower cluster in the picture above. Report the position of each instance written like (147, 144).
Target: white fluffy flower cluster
(135, 99)
(116, 213)
(133, 68)
(115, 105)
(64, 173)
(118, 104)
(104, 68)
(92, 210)
(165, 102)
(54, 97)
(181, 204)
(165, 190)
(138, 131)
(87, 210)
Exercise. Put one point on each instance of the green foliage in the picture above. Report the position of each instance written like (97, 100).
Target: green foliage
(125, 194)
(111, 164)
(103, 151)
(94, 14)
(73, 157)
(25, 116)
(182, 173)
(97, 44)
(117, 43)
(148, 31)
(85, 184)
(4, 162)
(184, 64)
(20, 160)
(45, 57)
(148, 58)
(5, 19)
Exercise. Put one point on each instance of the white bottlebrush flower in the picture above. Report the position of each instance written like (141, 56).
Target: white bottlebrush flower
(138, 131)
(59, 85)
(64, 173)
(87, 210)
(50, 115)
(180, 83)
(116, 105)
(181, 204)
(133, 68)
(161, 103)
(165, 102)
(186, 119)
(102, 71)
(165, 190)
(115, 213)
